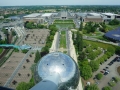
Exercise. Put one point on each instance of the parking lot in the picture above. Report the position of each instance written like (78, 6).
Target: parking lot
(109, 71)
(36, 37)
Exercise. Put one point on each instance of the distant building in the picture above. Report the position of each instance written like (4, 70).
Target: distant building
(34, 17)
(1, 17)
(90, 17)
(14, 18)
(63, 15)
(110, 16)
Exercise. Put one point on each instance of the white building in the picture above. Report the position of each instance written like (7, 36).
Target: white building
(34, 17)
(110, 16)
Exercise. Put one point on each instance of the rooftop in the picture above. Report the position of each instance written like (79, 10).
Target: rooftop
(94, 14)
(33, 15)
(47, 14)
(111, 14)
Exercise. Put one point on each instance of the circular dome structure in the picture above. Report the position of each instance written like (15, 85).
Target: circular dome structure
(62, 64)
(113, 34)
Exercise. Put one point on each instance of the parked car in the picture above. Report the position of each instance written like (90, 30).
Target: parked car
(105, 73)
(102, 71)
(107, 67)
(110, 64)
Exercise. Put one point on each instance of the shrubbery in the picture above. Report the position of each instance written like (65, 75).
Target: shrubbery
(99, 76)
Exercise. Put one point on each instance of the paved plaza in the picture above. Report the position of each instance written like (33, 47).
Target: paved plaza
(36, 38)
(7, 69)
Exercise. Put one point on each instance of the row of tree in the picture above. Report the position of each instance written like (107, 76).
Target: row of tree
(45, 50)
(78, 41)
(90, 27)
(114, 22)
(32, 25)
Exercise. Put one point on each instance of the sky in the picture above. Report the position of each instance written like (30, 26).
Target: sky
(58, 2)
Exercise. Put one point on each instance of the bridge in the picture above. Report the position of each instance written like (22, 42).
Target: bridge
(15, 46)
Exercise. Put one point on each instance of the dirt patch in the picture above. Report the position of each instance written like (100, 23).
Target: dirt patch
(89, 80)
(118, 70)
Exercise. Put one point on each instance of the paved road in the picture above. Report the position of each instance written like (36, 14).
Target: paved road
(68, 42)
(93, 39)
(57, 41)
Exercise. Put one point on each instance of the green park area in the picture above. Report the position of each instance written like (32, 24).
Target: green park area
(64, 24)
(63, 21)
(63, 39)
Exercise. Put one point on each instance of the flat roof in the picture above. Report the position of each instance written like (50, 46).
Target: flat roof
(33, 15)
(47, 14)
(111, 14)
(94, 14)
(114, 34)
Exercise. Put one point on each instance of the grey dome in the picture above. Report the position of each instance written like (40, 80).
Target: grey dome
(62, 64)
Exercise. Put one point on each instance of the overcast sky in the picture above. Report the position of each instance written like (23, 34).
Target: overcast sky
(58, 2)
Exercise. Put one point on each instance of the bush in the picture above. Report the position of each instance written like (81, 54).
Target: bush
(16, 50)
(106, 88)
(114, 22)
(99, 76)
(25, 51)
(111, 83)
(116, 79)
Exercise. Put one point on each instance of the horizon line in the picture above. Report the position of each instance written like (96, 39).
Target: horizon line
(60, 5)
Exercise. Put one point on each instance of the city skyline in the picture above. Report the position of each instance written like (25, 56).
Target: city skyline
(55, 2)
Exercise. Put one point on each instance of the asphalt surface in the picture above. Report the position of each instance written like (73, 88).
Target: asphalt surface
(112, 69)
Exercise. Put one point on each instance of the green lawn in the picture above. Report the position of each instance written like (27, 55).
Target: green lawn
(63, 21)
(64, 25)
(63, 39)
(1, 50)
(102, 45)
(112, 27)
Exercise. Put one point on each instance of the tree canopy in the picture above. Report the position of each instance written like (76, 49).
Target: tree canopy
(106, 88)
(92, 87)
(94, 65)
(86, 72)
(37, 56)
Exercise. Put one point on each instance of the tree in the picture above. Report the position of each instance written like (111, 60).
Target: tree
(86, 72)
(92, 87)
(13, 33)
(99, 76)
(114, 22)
(88, 50)
(106, 88)
(25, 86)
(22, 86)
(81, 56)
(111, 49)
(92, 55)
(37, 56)
(117, 50)
(25, 51)
(94, 65)
(81, 26)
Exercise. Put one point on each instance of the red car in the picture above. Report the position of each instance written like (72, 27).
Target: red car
(102, 71)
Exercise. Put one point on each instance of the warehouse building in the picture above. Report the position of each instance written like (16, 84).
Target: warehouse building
(34, 17)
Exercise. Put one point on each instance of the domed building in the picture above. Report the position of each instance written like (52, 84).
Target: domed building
(56, 71)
